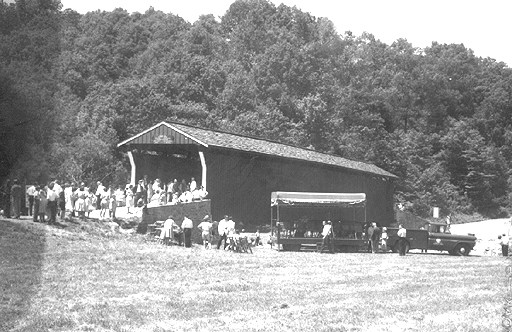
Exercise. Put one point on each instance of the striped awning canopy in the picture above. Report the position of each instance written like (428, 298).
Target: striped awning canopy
(321, 199)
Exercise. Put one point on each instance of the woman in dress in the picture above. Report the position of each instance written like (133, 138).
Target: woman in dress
(43, 204)
(91, 200)
(129, 198)
(80, 205)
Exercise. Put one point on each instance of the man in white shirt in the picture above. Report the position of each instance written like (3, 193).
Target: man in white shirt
(326, 233)
(57, 188)
(52, 197)
(31, 193)
(223, 231)
(402, 234)
(187, 226)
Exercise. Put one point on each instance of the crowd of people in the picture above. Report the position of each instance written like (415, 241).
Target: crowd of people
(155, 192)
(50, 200)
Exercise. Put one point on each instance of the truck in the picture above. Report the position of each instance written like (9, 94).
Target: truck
(434, 236)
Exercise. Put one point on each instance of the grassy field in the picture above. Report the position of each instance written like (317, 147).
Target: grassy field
(85, 278)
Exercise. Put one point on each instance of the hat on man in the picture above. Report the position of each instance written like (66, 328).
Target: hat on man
(206, 217)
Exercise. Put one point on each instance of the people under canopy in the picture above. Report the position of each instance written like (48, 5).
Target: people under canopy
(300, 214)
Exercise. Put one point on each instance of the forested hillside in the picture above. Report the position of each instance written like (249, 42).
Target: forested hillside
(72, 86)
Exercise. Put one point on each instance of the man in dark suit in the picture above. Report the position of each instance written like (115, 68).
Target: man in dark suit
(375, 238)
(369, 235)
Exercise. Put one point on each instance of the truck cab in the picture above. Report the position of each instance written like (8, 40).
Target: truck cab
(440, 238)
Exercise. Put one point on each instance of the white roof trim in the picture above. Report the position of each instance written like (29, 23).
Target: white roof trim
(158, 125)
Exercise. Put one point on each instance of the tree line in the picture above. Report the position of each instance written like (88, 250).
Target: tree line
(72, 86)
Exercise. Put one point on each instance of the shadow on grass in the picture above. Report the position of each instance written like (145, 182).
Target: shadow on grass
(22, 247)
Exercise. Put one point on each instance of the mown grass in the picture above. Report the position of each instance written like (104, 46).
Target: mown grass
(85, 278)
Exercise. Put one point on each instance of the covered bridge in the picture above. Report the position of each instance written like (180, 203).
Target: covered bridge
(241, 172)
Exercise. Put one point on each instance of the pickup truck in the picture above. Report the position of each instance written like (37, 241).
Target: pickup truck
(435, 236)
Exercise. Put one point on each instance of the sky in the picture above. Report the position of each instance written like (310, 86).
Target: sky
(482, 26)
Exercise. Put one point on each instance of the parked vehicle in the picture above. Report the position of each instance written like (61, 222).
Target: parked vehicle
(435, 236)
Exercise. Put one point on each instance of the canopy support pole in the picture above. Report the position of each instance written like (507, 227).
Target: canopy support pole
(133, 169)
(203, 169)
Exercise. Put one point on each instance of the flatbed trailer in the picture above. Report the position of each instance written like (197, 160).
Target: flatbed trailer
(310, 244)
(297, 221)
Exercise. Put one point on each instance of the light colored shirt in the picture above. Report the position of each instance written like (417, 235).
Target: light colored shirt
(327, 230)
(402, 232)
(230, 225)
(168, 228)
(57, 188)
(187, 223)
(100, 190)
(196, 195)
(193, 185)
(52, 195)
(205, 226)
(31, 191)
(222, 229)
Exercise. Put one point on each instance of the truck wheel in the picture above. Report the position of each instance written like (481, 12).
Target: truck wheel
(461, 250)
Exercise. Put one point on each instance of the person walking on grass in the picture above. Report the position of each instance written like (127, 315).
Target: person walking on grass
(402, 244)
(206, 231)
(326, 236)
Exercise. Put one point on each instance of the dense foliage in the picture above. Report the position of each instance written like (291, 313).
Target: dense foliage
(72, 86)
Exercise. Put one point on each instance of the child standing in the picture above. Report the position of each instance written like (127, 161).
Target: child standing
(384, 239)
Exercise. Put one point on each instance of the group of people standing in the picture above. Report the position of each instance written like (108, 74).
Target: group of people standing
(46, 202)
(378, 238)
(224, 230)
(171, 230)
(43, 200)
(156, 192)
